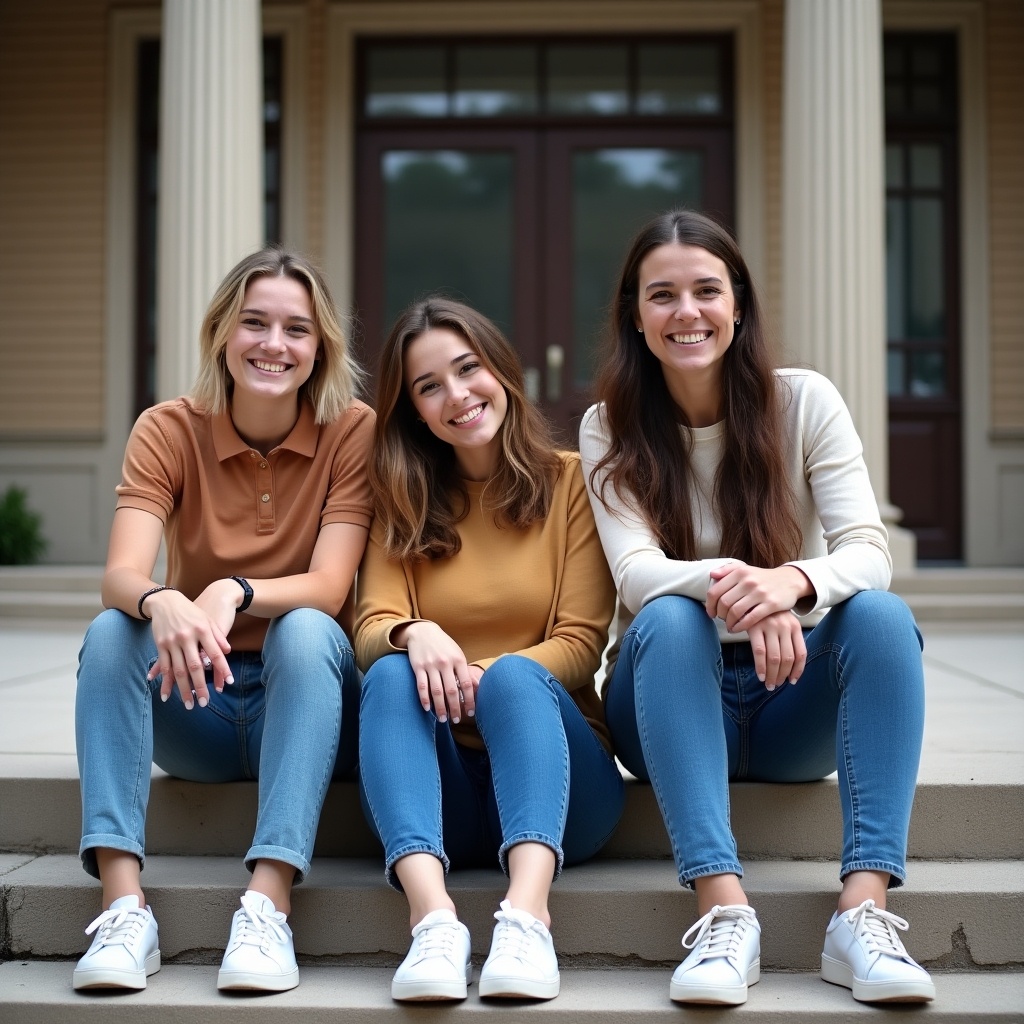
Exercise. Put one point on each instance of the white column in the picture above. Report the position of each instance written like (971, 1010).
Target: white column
(833, 219)
(211, 167)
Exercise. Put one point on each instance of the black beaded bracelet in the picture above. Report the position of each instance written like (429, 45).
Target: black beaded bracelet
(148, 593)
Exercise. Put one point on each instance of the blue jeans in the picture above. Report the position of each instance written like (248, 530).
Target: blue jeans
(282, 722)
(544, 776)
(689, 713)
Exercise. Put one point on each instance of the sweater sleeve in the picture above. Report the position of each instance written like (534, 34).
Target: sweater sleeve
(833, 467)
(383, 601)
(585, 598)
(640, 568)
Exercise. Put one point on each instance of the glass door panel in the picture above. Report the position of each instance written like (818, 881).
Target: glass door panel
(448, 227)
(603, 187)
(451, 213)
(615, 191)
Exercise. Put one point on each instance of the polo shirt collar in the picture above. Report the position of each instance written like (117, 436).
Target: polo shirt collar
(302, 440)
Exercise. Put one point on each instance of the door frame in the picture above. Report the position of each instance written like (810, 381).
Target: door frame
(383, 18)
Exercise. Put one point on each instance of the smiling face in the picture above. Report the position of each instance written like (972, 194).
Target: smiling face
(457, 397)
(272, 350)
(686, 308)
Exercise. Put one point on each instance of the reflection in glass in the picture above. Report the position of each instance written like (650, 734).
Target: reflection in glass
(926, 165)
(895, 373)
(406, 80)
(491, 81)
(927, 374)
(915, 300)
(926, 308)
(448, 227)
(588, 80)
(679, 79)
(893, 166)
(614, 193)
(895, 269)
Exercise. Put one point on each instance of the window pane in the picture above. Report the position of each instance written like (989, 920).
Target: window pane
(407, 81)
(895, 269)
(926, 166)
(448, 227)
(615, 192)
(926, 319)
(895, 376)
(893, 166)
(588, 80)
(926, 99)
(927, 374)
(679, 79)
(926, 60)
(492, 80)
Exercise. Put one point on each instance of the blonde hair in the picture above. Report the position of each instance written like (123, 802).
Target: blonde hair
(419, 494)
(336, 377)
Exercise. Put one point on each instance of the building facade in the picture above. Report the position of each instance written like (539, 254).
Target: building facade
(867, 154)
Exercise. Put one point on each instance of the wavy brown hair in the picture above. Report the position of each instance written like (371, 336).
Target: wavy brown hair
(648, 459)
(420, 496)
(336, 377)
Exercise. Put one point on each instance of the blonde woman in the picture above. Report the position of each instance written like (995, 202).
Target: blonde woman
(236, 667)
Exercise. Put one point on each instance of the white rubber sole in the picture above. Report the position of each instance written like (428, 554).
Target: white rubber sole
(717, 995)
(837, 973)
(424, 990)
(232, 981)
(508, 987)
(105, 977)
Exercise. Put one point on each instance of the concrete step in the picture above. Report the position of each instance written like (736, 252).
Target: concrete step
(40, 993)
(952, 820)
(625, 913)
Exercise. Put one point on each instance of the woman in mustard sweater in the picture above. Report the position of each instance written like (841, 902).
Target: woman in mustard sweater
(483, 608)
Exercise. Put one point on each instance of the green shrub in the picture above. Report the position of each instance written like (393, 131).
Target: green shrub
(21, 539)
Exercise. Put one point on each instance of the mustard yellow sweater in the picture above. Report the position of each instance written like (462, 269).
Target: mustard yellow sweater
(544, 593)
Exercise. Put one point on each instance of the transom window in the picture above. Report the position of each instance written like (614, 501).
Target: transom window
(511, 79)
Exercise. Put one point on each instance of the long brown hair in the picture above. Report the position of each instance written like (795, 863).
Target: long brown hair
(419, 494)
(648, 459)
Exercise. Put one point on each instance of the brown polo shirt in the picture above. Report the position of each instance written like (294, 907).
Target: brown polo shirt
(229, 511)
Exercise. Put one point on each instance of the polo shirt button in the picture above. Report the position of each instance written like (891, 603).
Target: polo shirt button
(263, 465)
(252, 455)
(265, 497)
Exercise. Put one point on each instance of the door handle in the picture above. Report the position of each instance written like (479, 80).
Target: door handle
(556, 360)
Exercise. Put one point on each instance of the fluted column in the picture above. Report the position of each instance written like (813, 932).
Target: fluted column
(211, 167)
(833, 218)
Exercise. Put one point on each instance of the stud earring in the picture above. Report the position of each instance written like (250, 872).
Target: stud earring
(736, 323)
(640, 330)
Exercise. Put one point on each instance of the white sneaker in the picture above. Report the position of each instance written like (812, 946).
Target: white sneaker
(437, 965)
(864, 953)
(260, 953)
(125, 950)
(726, 958)
(522, 962)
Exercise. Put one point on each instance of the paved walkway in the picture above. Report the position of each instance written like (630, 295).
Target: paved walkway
(974, 730)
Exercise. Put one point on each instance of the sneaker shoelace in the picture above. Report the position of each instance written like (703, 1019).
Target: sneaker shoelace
(515, 934)
(878, 929)
(254, 926)
(118, 927)
(720, 931)
(435, 939)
